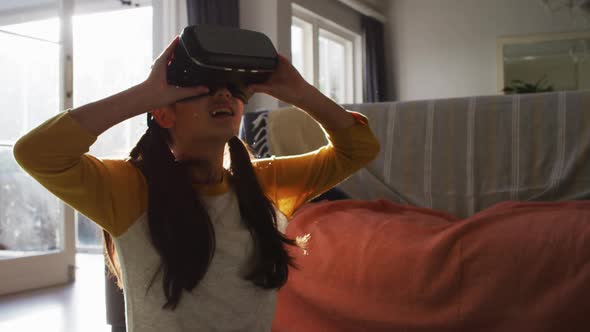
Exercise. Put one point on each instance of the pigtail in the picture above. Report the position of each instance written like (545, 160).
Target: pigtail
(270, 269)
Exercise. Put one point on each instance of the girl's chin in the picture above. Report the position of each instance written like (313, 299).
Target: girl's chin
(223, 136)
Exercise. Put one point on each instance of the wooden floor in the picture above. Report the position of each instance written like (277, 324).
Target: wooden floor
(79, 306)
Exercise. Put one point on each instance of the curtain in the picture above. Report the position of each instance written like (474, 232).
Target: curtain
(216, 12)
(374, 60)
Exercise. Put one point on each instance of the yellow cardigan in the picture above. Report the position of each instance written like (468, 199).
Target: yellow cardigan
(113, 192)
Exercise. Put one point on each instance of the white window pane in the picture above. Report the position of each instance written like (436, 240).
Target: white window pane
(29, 92)
(302, 48)
(332, 69)
(110, 60)
(89, 235)
(29, 215)
(297, 47)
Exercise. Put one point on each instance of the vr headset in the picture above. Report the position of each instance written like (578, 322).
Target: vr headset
(222, 57)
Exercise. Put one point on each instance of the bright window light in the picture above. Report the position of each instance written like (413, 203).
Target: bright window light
(327, 55)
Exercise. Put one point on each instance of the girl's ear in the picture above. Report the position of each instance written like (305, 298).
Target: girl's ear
(165, 116)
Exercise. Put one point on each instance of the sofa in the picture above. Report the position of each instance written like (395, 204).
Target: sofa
(475, 215)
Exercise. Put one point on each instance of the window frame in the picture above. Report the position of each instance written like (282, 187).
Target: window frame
(301, 17)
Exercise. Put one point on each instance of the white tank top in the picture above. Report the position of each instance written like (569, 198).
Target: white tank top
(222, 301)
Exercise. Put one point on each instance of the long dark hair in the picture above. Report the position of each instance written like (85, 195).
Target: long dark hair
(179, 225)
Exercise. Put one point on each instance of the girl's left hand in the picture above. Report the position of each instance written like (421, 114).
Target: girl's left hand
(285, 83)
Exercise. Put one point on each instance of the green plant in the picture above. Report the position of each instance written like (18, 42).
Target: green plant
(519, 86)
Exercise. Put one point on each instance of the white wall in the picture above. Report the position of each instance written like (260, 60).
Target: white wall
(447, 48)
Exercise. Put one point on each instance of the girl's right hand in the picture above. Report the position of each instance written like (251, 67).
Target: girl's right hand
(157, 86)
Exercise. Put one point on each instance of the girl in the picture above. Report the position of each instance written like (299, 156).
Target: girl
(209, 234)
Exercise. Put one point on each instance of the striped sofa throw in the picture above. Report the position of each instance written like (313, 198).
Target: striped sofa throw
(462, 155)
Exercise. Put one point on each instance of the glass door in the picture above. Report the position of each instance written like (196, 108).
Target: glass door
(58, 54)
(37, 246)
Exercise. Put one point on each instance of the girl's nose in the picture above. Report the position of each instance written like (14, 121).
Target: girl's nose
(222, 93)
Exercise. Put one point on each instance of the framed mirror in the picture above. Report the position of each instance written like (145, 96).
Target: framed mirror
(544, 62)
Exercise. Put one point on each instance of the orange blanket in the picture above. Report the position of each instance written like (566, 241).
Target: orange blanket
(379, 266)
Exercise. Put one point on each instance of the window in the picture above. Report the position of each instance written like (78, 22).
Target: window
(30, 216)
(58, 54)
(327, 55)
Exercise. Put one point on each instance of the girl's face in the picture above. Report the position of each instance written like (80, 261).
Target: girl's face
(210, 118)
